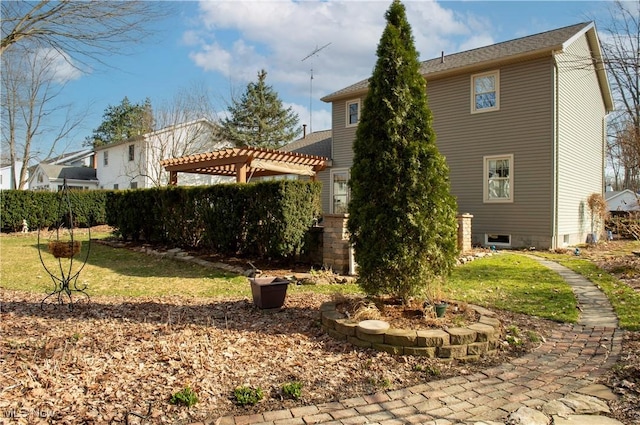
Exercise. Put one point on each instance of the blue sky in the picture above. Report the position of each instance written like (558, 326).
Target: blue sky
(223, 44)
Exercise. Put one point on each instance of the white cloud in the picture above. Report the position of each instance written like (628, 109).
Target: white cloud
(57, 66)
(321, 117)
(238, 38)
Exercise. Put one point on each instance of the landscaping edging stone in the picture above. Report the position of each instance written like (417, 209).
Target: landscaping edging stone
(462, 343)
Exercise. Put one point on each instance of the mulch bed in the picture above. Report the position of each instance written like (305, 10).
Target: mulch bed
(116, 358)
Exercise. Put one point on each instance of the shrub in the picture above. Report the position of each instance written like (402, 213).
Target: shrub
(185, 396)
(42, 209)
(264, 219)
(292, 390)
(402, 216)
(247, 395)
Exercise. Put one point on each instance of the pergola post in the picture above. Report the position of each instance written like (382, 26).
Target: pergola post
(173, 178)
(241, 172)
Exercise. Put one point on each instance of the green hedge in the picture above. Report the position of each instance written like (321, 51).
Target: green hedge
(41, 209)
(268, 219)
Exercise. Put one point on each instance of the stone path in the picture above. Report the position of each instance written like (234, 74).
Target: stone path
(551, 380)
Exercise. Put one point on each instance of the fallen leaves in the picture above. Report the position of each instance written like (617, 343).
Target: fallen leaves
(108, 361)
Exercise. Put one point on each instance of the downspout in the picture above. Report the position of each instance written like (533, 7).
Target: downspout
(555, 160)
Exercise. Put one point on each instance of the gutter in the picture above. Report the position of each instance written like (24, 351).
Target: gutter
(555, 161)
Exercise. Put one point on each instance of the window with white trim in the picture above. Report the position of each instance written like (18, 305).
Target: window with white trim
(339, 191)
(132, 152)
(498, 178)
(353, 112)
(105, 157)
(485, 92)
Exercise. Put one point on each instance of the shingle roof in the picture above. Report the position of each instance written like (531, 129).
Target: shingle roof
(57, 160)
(317, 143)
(541, 43)
(71, 173)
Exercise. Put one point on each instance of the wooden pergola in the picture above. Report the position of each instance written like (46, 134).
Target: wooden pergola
(245, 163)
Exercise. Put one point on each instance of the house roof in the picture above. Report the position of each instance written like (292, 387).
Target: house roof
(247, 161)
(622, 200)
(317, 143)
(145, 136)
(537, 45)
(71, 156)
(70, 173)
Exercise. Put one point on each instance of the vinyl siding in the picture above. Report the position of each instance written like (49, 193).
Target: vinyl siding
(324, 178)
(342, 138)
(342, 152)
(521, 127)
(524, 127)
(580, 140)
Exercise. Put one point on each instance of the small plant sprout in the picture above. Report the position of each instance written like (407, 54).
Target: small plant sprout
(246, 395)
(292, 390)
(185, 396)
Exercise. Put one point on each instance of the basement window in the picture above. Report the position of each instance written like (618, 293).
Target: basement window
(497, 240)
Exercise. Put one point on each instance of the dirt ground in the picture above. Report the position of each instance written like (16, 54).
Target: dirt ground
(119, 360)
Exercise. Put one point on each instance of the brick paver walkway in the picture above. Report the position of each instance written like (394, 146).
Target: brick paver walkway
(570, 359)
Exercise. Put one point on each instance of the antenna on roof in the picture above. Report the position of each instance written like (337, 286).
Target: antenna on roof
(314, 53)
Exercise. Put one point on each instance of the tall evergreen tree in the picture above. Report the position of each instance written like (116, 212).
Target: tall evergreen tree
(402, 216)
(123, 121)
(258, 119)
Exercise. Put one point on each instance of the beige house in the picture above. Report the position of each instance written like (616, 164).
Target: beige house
(522, 126)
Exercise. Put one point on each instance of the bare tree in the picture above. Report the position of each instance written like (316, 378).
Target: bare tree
(188, 124)
(82, 31)
(30, 84)
(621, 48)
(36, 36)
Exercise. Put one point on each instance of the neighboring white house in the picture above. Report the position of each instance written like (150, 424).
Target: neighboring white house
(50, 177)
(135, 163)
(76, 167)
(623, 200)
(7, 180)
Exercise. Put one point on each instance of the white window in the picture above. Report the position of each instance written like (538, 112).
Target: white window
(106, 158)
(485, 92)
(339, 191)
(133, 185)
(353, 113)
(132, 152)
(498, 178)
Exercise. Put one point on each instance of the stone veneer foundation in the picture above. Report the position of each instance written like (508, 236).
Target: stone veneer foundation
(464, 343)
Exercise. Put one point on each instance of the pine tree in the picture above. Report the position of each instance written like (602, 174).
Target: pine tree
(122, 122)
(402, 216)
(258, 119)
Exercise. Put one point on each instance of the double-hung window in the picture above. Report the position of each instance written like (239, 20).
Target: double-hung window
(485, 92)
(498, 178)
(339, 191)
(132, 152)
(353, 113)
(105, 158)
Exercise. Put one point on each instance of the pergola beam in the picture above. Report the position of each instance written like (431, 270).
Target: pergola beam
(238, 162)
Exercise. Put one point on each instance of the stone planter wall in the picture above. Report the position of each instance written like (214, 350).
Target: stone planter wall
(335, 243)
(465, 343)
(335, 240)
